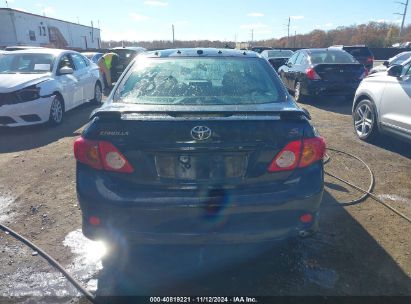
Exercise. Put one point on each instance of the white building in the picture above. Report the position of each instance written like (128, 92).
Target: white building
(22, 28)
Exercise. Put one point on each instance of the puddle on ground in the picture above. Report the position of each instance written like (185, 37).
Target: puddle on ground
(5, 202)
(395, 198)
(87, 257)
(86, 263)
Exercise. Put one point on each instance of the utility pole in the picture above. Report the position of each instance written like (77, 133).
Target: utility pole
(252, 36)
(288, 31)
(7, 4)
(404, 14)
(172, 29)
(295, 38)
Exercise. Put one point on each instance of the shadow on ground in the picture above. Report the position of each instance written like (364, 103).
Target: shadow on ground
(342, 259)
(336, 104)
(393, 144)
(31, 137)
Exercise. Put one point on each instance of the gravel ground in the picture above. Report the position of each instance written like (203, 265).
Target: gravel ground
(362, 249)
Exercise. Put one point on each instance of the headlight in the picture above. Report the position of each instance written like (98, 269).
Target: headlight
(28, 94)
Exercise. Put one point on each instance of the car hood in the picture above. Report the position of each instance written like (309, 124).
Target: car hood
(14, 82)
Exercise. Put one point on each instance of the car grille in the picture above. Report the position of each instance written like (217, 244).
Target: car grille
(9, 98)
(5, 120)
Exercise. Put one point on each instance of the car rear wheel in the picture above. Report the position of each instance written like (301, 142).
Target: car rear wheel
(365, 122)
(98, 93)
(56, 111)
(298, 96)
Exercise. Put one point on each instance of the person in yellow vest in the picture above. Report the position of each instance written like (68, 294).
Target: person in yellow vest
(105, 63)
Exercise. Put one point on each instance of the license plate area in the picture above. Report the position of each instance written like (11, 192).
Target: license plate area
(200, 166)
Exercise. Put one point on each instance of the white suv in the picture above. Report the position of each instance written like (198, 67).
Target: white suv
(382, 103)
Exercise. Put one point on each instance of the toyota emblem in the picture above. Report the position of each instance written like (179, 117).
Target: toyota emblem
(201, 133)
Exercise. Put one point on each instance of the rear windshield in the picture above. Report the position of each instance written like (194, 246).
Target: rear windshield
(200, 81)
(331, 56)
(125, 53)
(358, 51)
(281, 54)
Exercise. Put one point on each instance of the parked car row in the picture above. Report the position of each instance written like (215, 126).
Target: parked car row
(184, 131)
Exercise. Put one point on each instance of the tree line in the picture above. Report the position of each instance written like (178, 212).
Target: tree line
(373, 34)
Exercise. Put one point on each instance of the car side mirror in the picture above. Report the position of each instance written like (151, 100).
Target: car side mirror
(395, 71)
(66, 71)
(386, 63)
(289, 64)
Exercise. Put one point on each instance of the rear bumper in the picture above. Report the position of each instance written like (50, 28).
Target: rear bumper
(330, 88)
(199, 216)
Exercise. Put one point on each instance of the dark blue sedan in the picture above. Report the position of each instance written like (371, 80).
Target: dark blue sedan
(199, 146)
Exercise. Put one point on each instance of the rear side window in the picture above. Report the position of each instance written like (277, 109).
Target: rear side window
(79, 62)
(200, 81)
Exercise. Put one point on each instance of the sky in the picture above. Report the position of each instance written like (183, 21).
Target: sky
(226, 20)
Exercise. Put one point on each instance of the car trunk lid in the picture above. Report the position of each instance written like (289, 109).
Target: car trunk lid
(219, 149)
(339, 72)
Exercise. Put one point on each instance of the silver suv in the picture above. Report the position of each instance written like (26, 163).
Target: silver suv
(382, 103)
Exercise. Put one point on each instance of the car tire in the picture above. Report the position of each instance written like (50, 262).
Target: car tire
(98, 94)
(298, 96)
(56, 111)
(365, 120)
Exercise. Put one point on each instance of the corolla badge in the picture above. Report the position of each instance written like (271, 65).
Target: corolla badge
(201, 133)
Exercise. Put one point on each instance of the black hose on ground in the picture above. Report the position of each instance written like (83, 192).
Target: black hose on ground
(52, 262)
(367, 193)
(372, 178)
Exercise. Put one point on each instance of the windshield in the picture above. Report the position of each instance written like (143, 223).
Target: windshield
(400, 59)
(26, 63)
(330, 56)
(280, 53)
(199, 81)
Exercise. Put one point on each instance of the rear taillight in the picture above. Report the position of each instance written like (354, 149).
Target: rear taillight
(101, 155)
(312, 74)
(298, 154)
(87, 152)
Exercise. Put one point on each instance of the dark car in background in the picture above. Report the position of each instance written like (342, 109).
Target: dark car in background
(360, 52)
(199, 146)
(322, 72)
(277, 57)
(259, 49)
(125, 56)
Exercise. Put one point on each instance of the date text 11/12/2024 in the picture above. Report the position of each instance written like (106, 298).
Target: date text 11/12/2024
(203, 300)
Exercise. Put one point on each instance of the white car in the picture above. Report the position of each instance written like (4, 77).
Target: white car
(382, 104)
(40, 85)
(396, 60)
